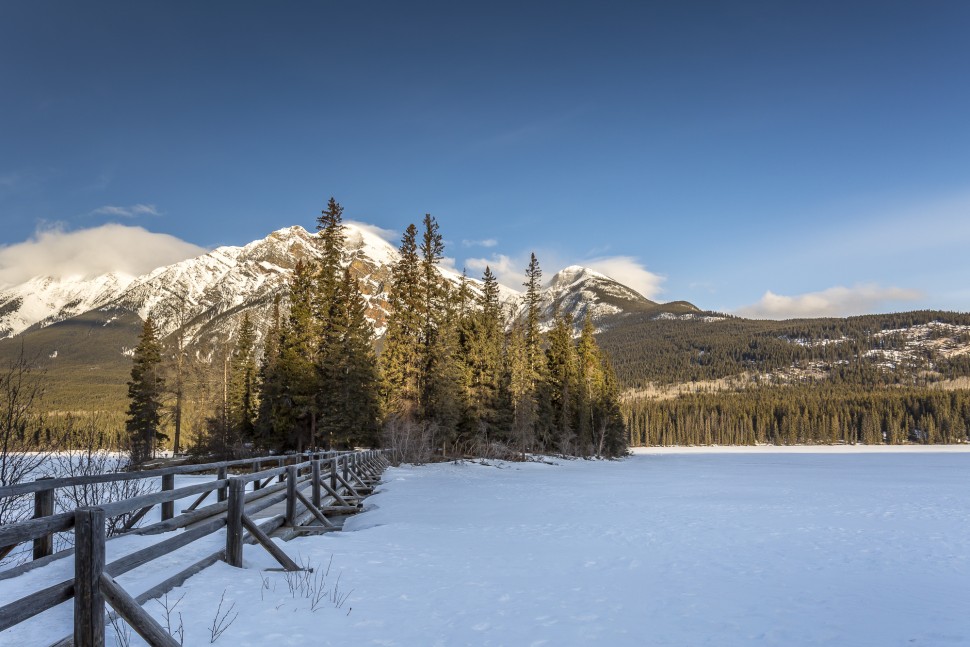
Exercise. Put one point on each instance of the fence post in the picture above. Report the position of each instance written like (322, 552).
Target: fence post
(256, 466)
(333, 473)
(88, 566)
(291, 477)
(346, 460)
(221, 475)
(315, 478)
(43, 507)
(168, 507)
(281, 462)
(234, 523)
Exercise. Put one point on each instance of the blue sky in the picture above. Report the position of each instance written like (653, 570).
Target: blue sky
(768, 158)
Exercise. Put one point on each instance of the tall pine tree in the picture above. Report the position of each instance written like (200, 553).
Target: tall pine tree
(440, 400)
(145, 391)
(483, 342)
(559, 389)
(331, 320)
(270, 384)
(525, 361)
(401, 357)
(295, 422)
(355, 394)
(243, 383)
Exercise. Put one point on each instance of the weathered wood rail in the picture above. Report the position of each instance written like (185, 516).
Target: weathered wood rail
(336, 481)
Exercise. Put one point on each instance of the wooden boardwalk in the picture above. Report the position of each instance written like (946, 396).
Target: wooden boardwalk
(302, 494)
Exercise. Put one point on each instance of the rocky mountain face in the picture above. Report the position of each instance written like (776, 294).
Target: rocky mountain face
(205, 298)
(44, 300)
(582, 292)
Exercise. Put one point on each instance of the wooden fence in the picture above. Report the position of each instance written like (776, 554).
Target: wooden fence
(337, 482)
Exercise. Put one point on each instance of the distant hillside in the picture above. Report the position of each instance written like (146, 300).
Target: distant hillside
(910, 348)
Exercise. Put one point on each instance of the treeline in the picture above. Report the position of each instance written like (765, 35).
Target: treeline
(459, 372)
(662, 351)
(802, 414)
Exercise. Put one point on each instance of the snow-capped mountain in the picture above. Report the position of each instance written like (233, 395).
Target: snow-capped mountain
(585, 293)
(206, 297)
(45, 300)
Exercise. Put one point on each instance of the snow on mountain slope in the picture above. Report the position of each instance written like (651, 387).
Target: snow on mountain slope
(205, 292)
(44, 300)
(210, 294)
(207, 296)
(585, 293)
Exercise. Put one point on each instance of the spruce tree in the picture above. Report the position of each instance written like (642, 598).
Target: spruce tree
(354, 420)
(521, 388)
(533, 302)
(296, 418)
(401, 357)
(611, 432)
(483, 342)
(560, 387)
(270, 385)
(242, 383)
(588, 378)
(524, 359)
(176, 360)
(145, 391)
(440, 395)
(329, 274)
(331, 320)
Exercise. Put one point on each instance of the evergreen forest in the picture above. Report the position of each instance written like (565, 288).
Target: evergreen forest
(459, 373)
(891, 378)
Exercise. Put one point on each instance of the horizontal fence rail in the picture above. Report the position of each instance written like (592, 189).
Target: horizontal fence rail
(336, 483)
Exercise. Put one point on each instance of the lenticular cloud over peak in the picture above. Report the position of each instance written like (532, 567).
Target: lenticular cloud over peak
(91, 252)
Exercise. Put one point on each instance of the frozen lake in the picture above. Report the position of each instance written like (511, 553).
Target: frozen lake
(663, 548)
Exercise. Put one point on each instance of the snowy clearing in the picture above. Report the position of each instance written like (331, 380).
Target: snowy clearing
(789, 547)
(803, 449)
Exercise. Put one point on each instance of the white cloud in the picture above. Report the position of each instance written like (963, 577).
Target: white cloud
(630, 272)
(449, 263)
(127, 212)
(508, 271)
(388, 235)
(488, 242)
(91, 252)
(836, 301)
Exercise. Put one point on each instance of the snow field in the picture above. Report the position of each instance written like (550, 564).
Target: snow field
(662, 548)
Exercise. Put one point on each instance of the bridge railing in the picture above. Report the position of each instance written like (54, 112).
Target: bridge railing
(45, 523)
(345, 477)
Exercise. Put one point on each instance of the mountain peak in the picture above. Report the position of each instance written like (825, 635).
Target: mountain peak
(208, 295)
(573, 274)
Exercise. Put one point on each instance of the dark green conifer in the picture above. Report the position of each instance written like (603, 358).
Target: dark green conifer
(484, 346)
(331, 321)
(533, 302)
(145, 391)
(440, 399)
(401, 357)
(560, 387)
(242, 383)
(296, 418)
(270, 385)
(357, 412)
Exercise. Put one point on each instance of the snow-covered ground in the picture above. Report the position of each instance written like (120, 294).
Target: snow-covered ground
(663, 548)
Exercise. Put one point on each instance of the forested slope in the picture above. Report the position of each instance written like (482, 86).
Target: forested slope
(891, 378)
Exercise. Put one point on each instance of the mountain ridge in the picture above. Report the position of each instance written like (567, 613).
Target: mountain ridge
(230, 280)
